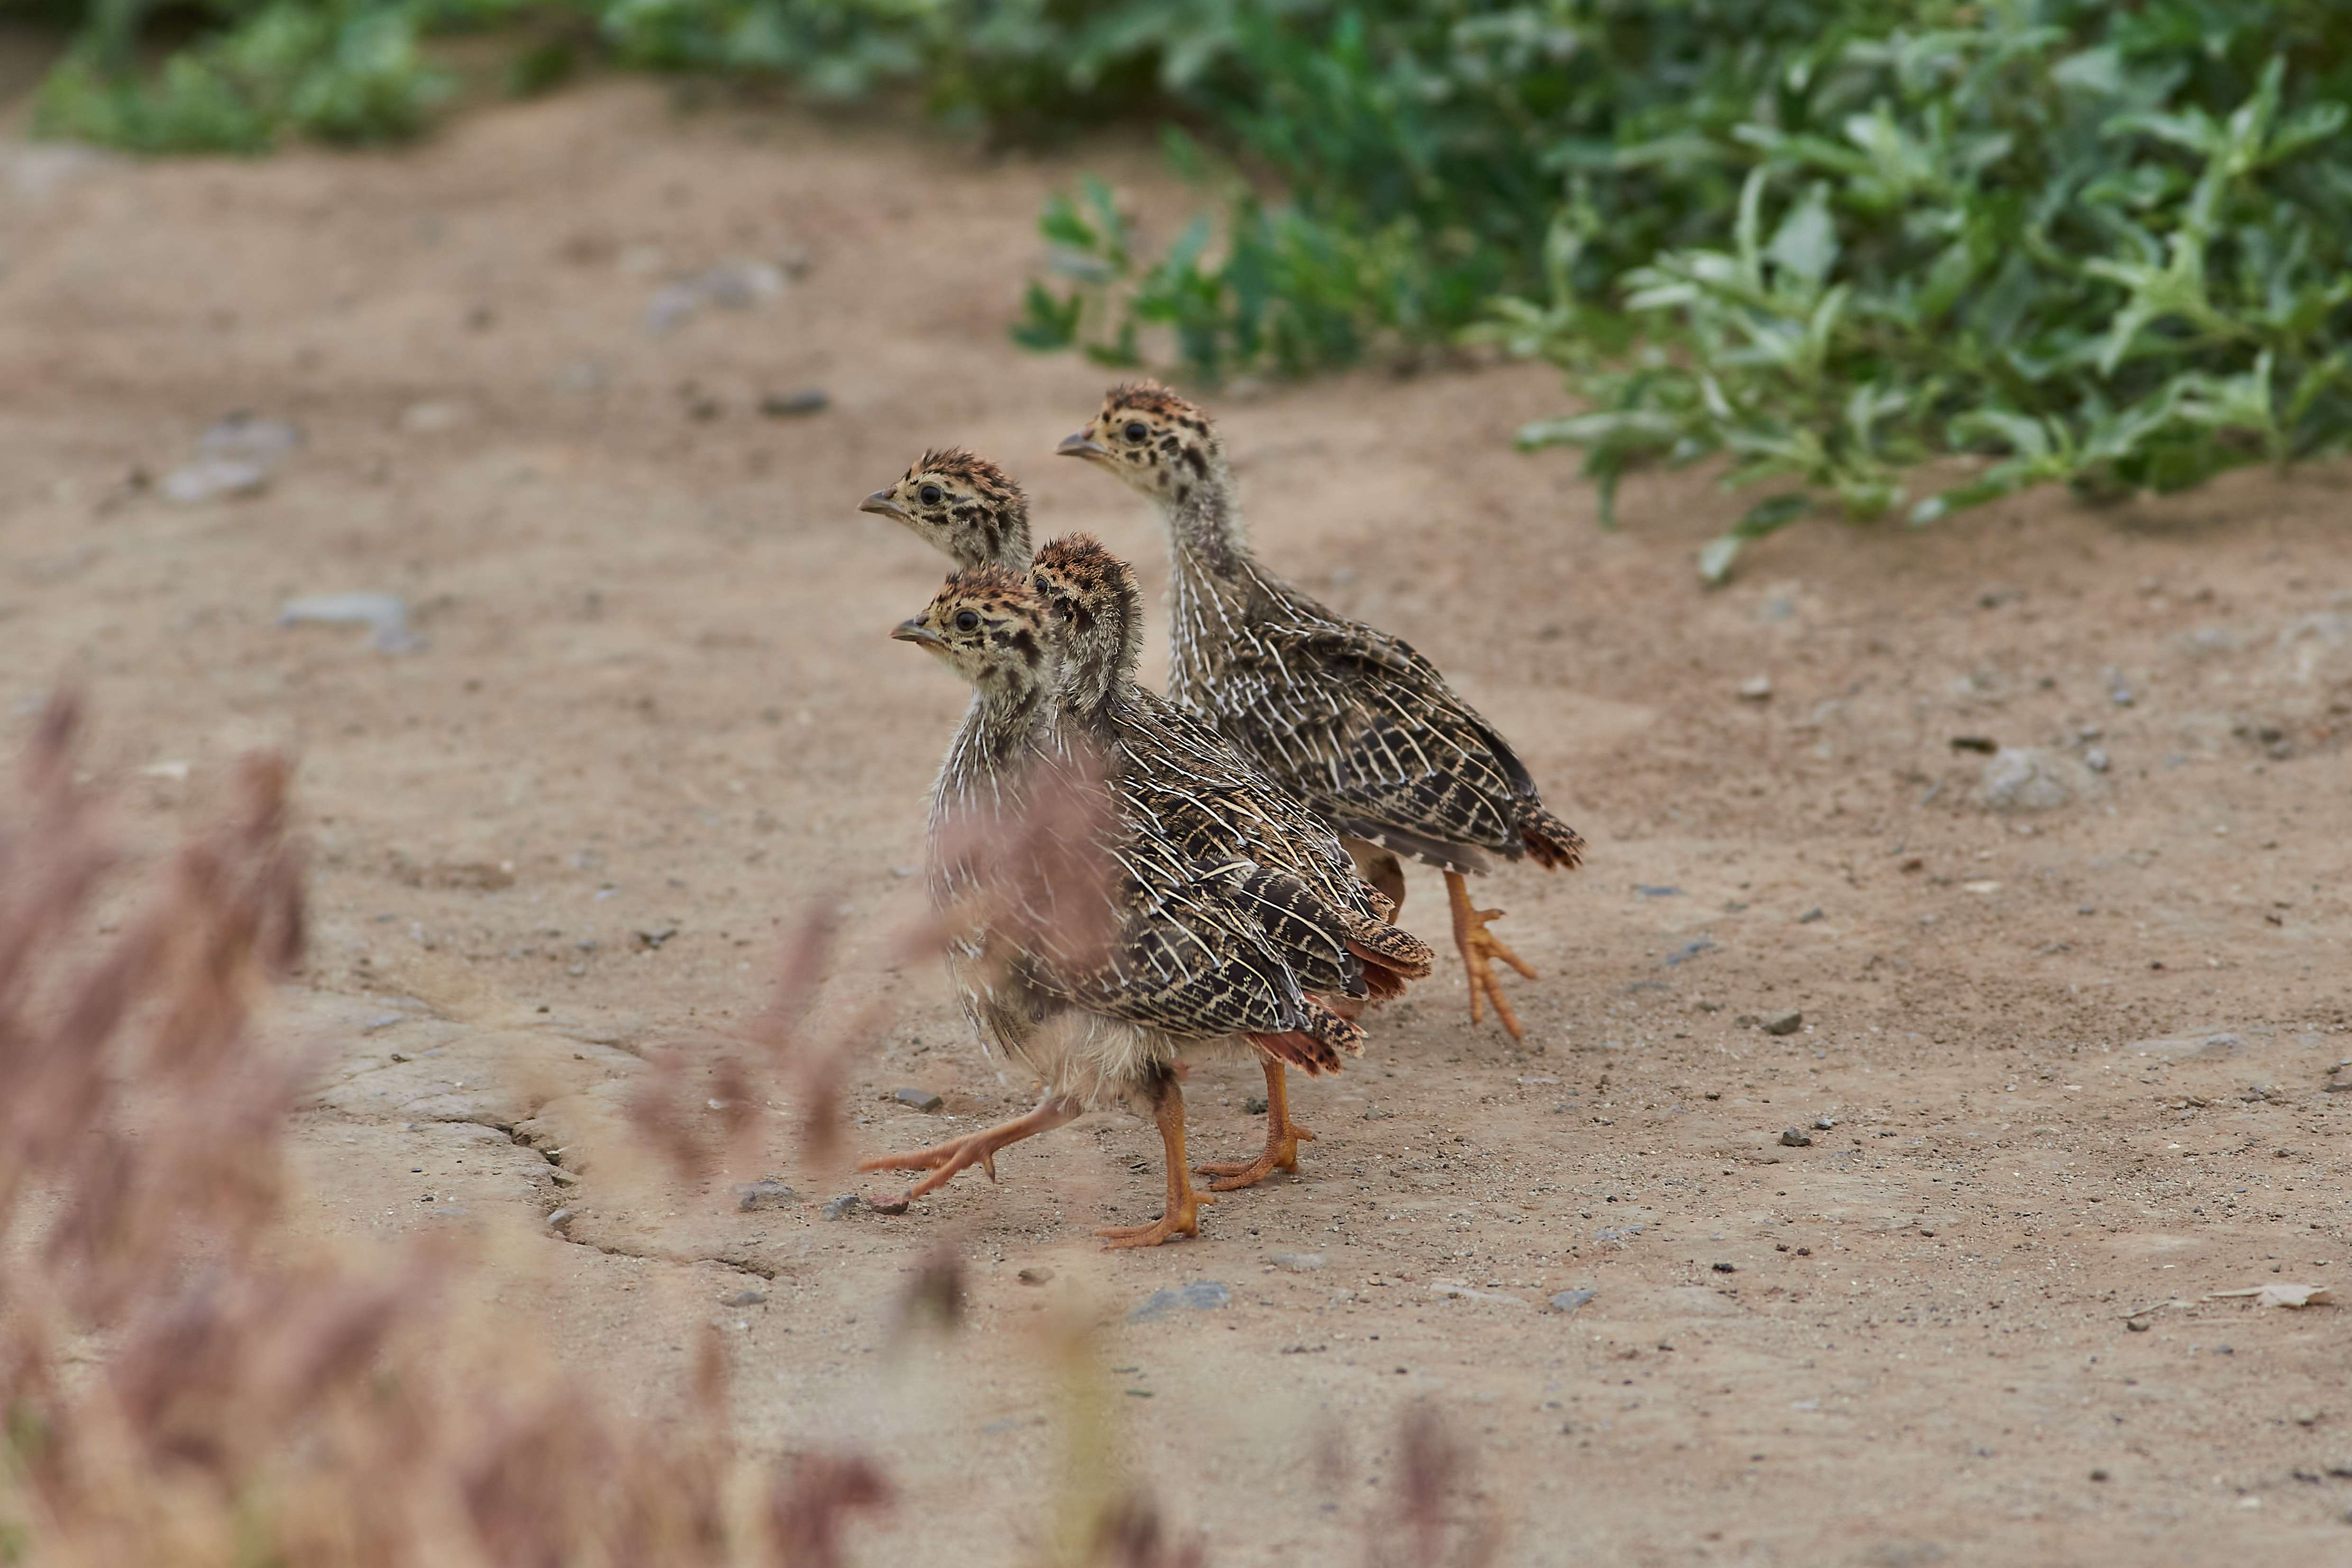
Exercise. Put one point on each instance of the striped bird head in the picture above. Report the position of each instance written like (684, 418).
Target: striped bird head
(1152, 438)
(989, 625)
(1097, 611)
(962, 505)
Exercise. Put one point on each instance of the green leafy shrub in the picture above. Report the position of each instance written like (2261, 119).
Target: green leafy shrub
(1828, 239)
(2006, 242)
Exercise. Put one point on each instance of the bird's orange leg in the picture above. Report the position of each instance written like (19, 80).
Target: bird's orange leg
(1283, 1137)
(944, 1160)
(1479, 948)
(1182, 1215)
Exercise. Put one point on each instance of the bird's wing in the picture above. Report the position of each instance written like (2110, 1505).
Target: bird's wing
(1370, 732)
(1232, 805)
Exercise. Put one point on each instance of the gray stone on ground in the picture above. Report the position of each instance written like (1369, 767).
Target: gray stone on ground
(1569, 1300)
(2032, 778)
(844, 1206)
(796, 404)
(235, 457)
(2213, 1046)
(920, 1098)
(1299, 1262)
(1201, 1295)
(765, 1193)
(1796, 1138)
(1788, 1021)
(386, 613)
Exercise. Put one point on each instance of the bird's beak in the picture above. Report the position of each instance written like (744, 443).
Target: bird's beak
(1082, 444)
(881, 505)
(916, 632)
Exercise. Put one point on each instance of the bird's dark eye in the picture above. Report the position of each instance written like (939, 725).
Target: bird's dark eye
(1135, 432)
(966, 620)
(931, 495)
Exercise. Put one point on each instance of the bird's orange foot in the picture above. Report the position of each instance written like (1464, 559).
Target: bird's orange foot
(942, 1160)
(1281, 1153)
(1182, 1219)
(1480, 950)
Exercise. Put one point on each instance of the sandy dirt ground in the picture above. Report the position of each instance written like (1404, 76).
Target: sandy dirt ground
(2065, 1068)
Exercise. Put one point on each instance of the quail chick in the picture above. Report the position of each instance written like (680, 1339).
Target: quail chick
(1217, 811)
(1098, 985)
(1363, 728)
(1181, 773)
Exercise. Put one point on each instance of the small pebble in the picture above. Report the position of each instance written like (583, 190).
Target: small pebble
(920, 1098)
(1786, 1022)
(559, 1220)
(1796, 1138)
(1722, 1269)
(1569, 1300)
(1755, 689)
(796, 404)
(765, 1193)
(842, 1208)
(747, 1298)
(207, 478)
(1823, 1124)
(1255, 1105)
(1201, 1295)
(2137, 1325)
(1299, 1262)
(386, 613)
(1036, 1276)
(1809, 917)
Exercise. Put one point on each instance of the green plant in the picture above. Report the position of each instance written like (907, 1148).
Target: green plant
(1825, 239)
(344, 71)
(2017, 247)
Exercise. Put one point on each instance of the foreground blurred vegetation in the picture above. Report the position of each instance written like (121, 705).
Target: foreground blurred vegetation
(2098, 243)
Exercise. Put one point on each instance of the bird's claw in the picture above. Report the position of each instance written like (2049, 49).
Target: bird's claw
(1480, 948)
(1281, 1153)
(1183, 1219)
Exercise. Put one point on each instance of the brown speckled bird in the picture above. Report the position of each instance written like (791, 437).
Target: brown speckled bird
(1097, 984)
(1217, 809)
(1175, 768)
(1360, 725)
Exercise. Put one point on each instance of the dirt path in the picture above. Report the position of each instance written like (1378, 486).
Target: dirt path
(2057, 1066)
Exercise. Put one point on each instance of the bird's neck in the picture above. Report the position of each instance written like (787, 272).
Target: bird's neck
(1013, 548)
(1205, 526)
(1089, 680)
(1010, 716)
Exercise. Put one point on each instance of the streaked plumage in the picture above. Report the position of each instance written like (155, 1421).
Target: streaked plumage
(1354, 721)
(1087, 946)
(1289, 870)
(1172, 770)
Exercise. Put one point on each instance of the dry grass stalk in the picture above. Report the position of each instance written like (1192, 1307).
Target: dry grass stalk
(183, 1379)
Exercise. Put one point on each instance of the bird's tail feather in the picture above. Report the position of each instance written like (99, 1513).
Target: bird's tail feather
(1555, 845)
